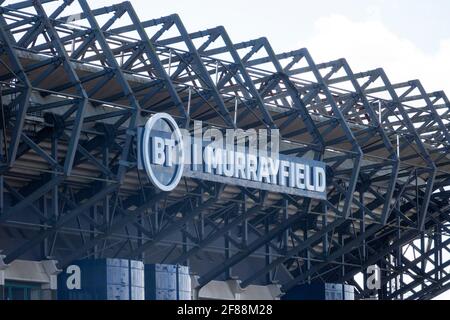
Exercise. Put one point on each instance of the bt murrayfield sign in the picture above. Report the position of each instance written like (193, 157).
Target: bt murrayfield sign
(241, 158)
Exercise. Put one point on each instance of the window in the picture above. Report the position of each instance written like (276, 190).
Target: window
(22, 291)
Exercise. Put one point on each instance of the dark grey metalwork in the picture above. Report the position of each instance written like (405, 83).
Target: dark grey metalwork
(75, 87)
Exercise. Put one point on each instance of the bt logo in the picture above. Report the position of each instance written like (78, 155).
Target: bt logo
(163, 152)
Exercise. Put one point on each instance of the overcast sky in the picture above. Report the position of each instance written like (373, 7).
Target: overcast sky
(410, 39)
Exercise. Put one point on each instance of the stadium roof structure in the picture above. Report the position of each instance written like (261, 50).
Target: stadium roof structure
(74, 89)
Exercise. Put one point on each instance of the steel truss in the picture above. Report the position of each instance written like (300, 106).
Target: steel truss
(75, 88)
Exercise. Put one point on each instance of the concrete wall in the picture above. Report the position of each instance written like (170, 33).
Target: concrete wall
(43, 273)
(231, 290)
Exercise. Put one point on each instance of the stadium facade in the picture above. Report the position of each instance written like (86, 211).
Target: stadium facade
(79, 83)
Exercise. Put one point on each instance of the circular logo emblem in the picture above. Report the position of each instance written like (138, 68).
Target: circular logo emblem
(162, 152)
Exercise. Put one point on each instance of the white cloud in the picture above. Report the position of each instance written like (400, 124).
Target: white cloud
(370, 44)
